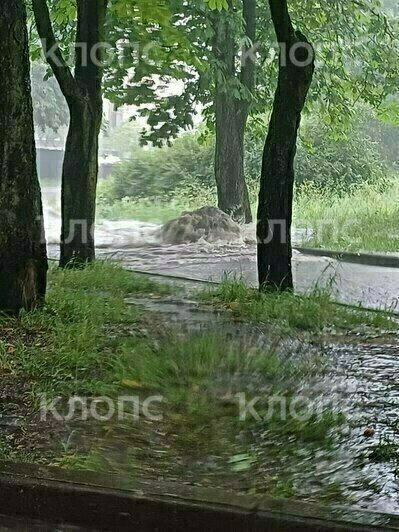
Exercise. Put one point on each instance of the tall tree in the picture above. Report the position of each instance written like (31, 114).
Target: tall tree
(339, 83)
(222, 81)
(277, 178)
(23, 262)
(232, 101)
(350, 36)
(83, 92)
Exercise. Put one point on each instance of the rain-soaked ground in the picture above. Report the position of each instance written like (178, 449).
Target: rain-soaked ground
(360, 381)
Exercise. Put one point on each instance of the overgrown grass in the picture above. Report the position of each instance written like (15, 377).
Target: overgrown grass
(313, 312)
(363, 219)
(65, 347)
(156, 210)
(161, 209)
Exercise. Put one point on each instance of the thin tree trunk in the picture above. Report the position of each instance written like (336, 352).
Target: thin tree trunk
(277, 178)
(83, 93)
(23, 261)
(231, 114)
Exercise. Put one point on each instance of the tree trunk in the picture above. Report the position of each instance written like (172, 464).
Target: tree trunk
(83, 93)
(23, 261)
(231, 113)
(233, 197)
(79, 183)
(277, 178)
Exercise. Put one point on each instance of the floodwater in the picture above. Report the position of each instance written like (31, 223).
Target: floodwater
(138, 246)
(358, 385)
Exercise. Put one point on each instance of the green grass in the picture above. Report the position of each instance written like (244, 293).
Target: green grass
(312, 312)
(365, 219)
(105, 276)
(387, 450)
(65, 347)
(156, 210)
(87, 341)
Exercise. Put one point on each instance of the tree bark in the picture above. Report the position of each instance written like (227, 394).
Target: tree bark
(23, 261)
(277, 178)
(79, 184)
(233, 197)
(83, 93)
(231, 115)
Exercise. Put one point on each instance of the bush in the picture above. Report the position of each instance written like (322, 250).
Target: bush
(159, 171)
(339, 164)
(331, 164)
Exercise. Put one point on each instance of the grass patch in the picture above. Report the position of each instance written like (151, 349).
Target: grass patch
(88, 342)
(105, 276)
(386, 450)
(66, 347)
(310, 312)
(365, 218)
(156, 210)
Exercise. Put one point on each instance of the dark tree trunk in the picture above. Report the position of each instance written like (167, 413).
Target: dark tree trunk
(231, 115)
(83, 93)
(277, 179)
(79, 183)
(23, 261)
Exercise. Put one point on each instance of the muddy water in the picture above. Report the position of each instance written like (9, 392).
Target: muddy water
(138, 246)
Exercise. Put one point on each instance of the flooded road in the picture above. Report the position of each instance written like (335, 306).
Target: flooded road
(137, 245)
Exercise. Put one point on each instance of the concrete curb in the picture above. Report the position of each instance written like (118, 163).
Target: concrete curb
(368, 259)
(108, 502)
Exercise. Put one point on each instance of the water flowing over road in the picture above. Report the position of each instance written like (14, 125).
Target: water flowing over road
(138, 246)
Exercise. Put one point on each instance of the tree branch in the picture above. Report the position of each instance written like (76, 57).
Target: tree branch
(52, 50)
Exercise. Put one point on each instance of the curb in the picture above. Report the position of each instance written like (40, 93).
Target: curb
(368, 259)
(107, 502)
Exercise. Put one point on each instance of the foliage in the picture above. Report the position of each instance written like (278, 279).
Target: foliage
(341, 163)
(160, 171)
(385, 136)
(334, 162)
(332, 158)
(355, 45)
(153, 44)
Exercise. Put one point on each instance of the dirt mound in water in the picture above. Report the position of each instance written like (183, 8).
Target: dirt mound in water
(208, 223)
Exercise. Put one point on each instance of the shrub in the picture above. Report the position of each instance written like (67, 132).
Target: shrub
(158, 171)
(339, 164)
